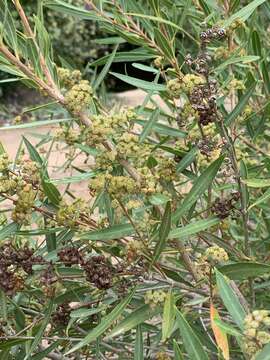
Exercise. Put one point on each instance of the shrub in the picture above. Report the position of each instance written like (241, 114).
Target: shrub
(168, 258)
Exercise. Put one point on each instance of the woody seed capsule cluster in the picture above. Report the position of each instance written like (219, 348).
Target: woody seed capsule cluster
(99, 272)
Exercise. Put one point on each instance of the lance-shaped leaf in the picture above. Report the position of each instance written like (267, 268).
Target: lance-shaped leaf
(220, 335)
(201, 184)
(164, 230)
(230, 300)
(191, 342)
(104, 324)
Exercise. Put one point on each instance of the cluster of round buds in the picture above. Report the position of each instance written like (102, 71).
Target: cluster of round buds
(154, 298)
(98, 272)
(159, 62)
(256, 331)
(78, 98)
(23, 205)
(213, 256)
(8, 183)
(31, 171)
(208, 152)
(184, 85)
(223, 207)
(68, 78)
(212, 34)
(128, 146)
(120, 185)
(68, 135)
(166, 169)
(62, 315)
(105, 160)
(174, 87)
(70, 256)
(133, 250)
(162, 356)
(149, 181)
(4, 163)
(216, 255)
(221, 53)
(69, 215)
(105, 126)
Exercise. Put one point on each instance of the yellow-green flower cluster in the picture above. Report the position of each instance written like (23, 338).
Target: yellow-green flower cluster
(166, 169)
(149, 183)
(78, 98)
(68, 78)
(118, 186)
(154, 298)
(4, 163)
(188, 112)
(213, 256)
(8, 184)
(68, 135)
(133, 250)
(128, 146)
(221, 53)
(256, 331)
(105, 126)
(236, 84)
(159, 62)
(30, 170)
(186, 84)
(69, 214)
(216, 255)
(162, 356)
(205, 160)
(105, 159)
(23, 207)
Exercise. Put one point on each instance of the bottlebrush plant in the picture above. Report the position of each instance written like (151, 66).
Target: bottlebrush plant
(168, 257)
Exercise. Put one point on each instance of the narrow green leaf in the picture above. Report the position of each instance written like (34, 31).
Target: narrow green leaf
(191, 342)
(164, 44)
(125, 56)
(34, 155)
(201, 184)
(8, 230)
(168, 316)
(149, 125)
(187, 160)
(105, 70)
(240, 106)
(237, 60)
(244, 13)
(228, 329)
(264, 354)
(51, 192)
(177, 352)
(261, 199)
(230, 300)
(42, 355)
(193, 228)
(40, 332)
(138, 351)
(134, 319)
(164, 129)
(244, 270)
(141, 84)
(257, 183)
(113, 232)
(104, 324)
(164, 230)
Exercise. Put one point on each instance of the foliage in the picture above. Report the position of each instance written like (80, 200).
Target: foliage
(168, 257)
